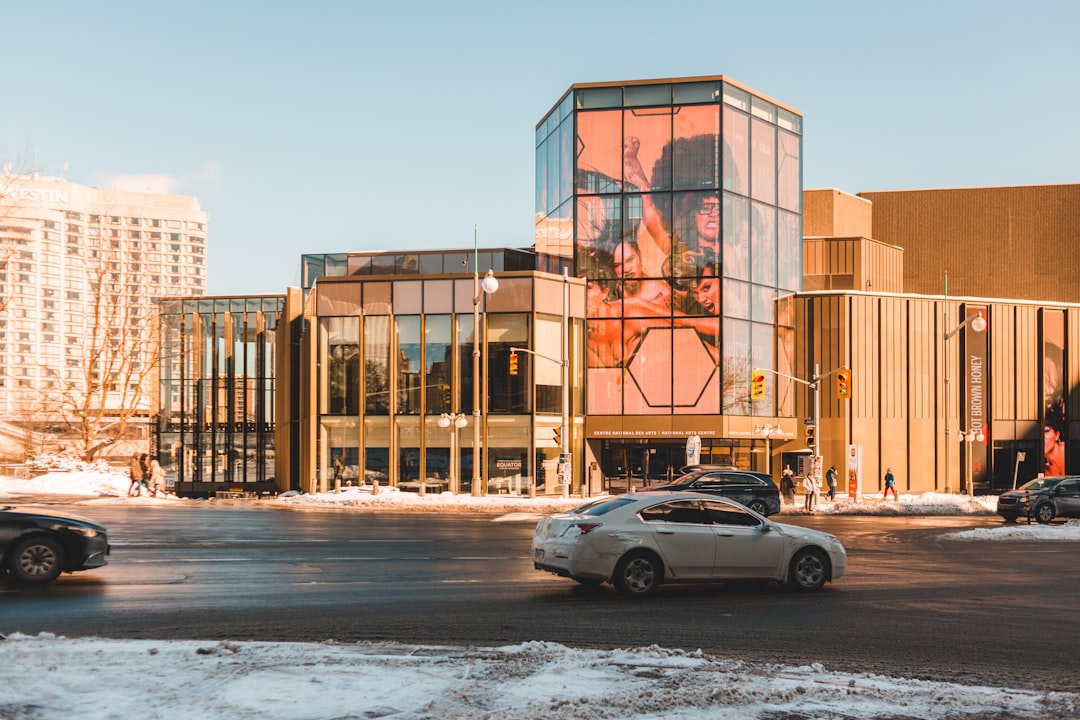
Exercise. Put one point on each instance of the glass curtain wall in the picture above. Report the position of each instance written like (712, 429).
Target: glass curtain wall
(215, 423)
(686, 204)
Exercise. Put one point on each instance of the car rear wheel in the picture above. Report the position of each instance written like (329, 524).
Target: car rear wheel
(1045, 513)
(37, 560)
(638, 574)
(809, 570)
(759, 507)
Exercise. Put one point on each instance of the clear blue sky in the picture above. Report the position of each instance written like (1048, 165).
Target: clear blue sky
(323, 126)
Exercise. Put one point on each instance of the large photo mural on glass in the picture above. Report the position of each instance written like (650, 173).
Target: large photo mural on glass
(672, 246)
(1053, 376)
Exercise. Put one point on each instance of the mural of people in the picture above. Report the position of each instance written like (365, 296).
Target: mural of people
(1053, 382)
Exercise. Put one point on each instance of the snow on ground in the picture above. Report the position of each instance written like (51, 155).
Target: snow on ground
(183, 680)
(192, 680)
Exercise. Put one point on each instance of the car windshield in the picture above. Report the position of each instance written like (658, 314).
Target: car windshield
(602, 506)
(1043, 483)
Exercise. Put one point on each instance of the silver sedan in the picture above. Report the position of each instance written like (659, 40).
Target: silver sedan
(639, 541)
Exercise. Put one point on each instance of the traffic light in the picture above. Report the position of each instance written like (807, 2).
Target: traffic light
(811, 436)
(843, 384)
(557, 436)
(513, 364)
(757, 385)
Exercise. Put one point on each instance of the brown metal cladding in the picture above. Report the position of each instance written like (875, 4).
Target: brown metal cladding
(1000, 242)
(895, 346)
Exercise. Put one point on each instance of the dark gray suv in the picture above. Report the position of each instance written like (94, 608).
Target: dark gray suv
(1049, 497)
(754, 490)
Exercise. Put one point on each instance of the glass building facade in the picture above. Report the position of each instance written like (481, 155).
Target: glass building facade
(215, 420)
(391, 340)
(680, 202)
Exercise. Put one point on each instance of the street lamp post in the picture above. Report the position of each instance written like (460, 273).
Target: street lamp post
(969, 437)
(489, 285)
(767, 430)
(453, 421)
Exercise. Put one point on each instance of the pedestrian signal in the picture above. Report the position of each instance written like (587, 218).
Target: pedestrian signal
(843, 384)
(811, 436)
(757, 385)
(557, 436)
(513, 363)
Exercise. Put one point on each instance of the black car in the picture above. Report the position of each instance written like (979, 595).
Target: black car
(1045, 498)
(36, 547)
(755, 490)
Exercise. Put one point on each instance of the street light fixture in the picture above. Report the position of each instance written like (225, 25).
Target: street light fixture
(489, 286)
(767, 430)
(454, 421)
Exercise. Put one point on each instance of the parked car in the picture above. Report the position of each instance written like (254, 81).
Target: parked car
(755, 490)
(639, 541)
(36, 547)
(1050, 497)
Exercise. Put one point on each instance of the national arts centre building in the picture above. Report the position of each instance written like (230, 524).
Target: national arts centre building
(684, 292)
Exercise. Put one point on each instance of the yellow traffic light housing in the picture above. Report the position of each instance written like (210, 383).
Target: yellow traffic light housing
(843, 384)
(811, 436)
(556, 435)
(513, 364)
(757, 385)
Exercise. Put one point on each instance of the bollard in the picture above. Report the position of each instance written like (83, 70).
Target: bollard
(374, 487)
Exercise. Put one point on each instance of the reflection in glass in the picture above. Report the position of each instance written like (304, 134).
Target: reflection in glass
(409, 347)
(763, 161)
(438, 368)
(377, 365)
(737, 367)
(763, 244)
(736, 237)
(342, 365)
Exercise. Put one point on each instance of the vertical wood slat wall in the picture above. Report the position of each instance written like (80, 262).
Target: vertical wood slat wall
(899, 358)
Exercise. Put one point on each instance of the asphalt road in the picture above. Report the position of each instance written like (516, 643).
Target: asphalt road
(914, 603)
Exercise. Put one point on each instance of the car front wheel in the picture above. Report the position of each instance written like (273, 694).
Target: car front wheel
(37, 561)
(638, 574)
(809, 570)
(1045, 513)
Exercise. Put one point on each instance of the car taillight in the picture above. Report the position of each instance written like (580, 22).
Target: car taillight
(585, 528)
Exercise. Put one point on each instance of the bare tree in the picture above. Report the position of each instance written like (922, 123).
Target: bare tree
(106, 379)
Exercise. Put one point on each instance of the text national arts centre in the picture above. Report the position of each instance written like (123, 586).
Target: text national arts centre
(684, 300)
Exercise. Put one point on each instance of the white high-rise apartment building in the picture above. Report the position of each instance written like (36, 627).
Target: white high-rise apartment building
(81, 271)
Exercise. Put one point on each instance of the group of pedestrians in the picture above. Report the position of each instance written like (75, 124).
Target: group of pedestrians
(146, 474)
(811, 489)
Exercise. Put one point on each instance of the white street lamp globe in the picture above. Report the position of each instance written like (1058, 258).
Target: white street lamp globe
(461, 421)
(444, 421)
(979, 323)
(980, 437)
(490, 283)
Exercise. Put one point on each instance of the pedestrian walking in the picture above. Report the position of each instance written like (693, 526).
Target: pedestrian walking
(137, 475)
(810, 486)
(157, 478)
(830, 480)
(890, 485)
(787, 485)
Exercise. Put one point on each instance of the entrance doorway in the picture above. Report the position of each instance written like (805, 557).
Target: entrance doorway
(632, 464)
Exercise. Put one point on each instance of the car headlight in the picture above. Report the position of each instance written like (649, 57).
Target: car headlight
(85, 532)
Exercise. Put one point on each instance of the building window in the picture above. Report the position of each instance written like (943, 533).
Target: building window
(342, 366)
(377, 365)
(409, 349)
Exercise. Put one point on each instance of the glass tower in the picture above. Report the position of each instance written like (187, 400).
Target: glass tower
(680, 202)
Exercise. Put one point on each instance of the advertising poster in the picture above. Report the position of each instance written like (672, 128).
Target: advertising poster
(1053, 384)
